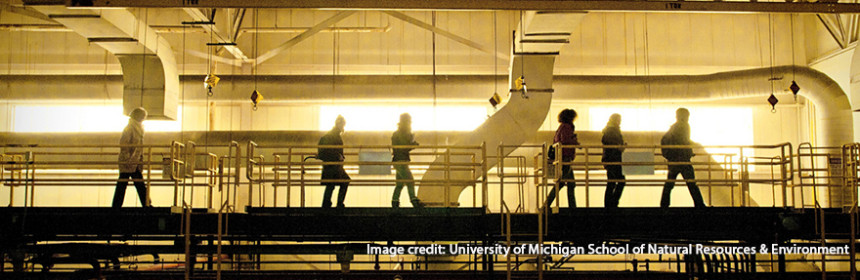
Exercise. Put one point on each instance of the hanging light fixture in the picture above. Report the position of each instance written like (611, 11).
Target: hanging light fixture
(256, 97)
(210, 82)
(495, 100)
(794, 88)
(521, 85)
(772, 100)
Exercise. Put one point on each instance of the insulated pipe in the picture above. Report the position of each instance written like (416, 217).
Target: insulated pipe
(833, 114)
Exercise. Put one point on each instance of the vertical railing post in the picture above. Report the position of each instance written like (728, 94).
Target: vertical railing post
(587, 180)
(249, 172)
(277, 180)
(149, 177)
(501, 173)
(289, 173)
(448, 176)
(484, 180)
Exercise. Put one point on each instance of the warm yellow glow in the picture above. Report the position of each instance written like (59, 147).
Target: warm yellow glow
(385, 118)
(80, 118)
(709, 126)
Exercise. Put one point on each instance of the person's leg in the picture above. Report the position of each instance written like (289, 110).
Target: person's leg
(551, 196)
(410, 188)
(667, 187)
(326, 203)
(613, 189)
(398, 186)
(689, 173)
(341, 194)
(571, 186)
(119, 193)
(619, 187)
(610, 190)
(140, 185)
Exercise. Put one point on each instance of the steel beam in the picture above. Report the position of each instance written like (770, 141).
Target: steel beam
(445, 33)
(198, 15)
(25, 11)
(301, 37)
(544, 5)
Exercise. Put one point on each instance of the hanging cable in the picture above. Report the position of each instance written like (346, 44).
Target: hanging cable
(522, 79)
(647, 69)
(335, 36)
(794, 87)
(495, 99)
(143, 57)
(772, 100)
(435, 109)
(256, 96)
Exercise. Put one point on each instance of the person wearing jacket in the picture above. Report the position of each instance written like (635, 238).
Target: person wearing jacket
(679, 134)
(403, 137)
(612, 137)
(565, 135)
(333, 171)
(131, 160)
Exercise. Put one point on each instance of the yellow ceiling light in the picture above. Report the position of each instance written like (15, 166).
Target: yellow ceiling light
(256, 97)
(210, 82)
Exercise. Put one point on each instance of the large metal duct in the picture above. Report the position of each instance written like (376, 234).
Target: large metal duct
(538, 41)
(833, 114)
(150, 79)
(854, 77)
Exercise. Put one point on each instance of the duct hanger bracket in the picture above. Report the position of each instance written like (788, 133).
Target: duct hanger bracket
(221, 44)
(198, 22)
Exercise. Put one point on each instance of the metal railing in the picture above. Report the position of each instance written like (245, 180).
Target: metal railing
(296, 166)
(729, 169)
(30, 167)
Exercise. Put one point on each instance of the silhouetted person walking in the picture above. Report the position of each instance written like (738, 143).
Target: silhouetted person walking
(679, 134)
(565, 135)
(131, 159)
(333, 171)
(612, 136)
(403, 137)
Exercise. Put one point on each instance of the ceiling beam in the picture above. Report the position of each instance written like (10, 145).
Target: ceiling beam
(25, 11)
(302, 36)
(834, 27)
(198, 15)
(543, 5)
(443, 32)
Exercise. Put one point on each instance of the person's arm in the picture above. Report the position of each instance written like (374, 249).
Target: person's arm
(125, 153)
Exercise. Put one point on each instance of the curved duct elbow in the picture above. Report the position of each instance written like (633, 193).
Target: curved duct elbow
(833, 114)
(149, 68)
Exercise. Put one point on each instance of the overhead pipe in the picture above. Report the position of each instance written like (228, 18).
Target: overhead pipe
(833, 112)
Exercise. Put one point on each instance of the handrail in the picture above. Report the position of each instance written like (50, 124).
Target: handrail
(742, 164)
(287, 168)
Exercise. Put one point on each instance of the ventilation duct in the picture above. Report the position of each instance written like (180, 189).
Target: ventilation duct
(536, 44)
(150, 79)
(833, 112)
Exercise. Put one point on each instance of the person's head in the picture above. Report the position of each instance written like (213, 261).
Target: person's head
(138, 114)
(614, 120)
(339, 123)
(682, 114)
(405, 121)
(567, 116)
